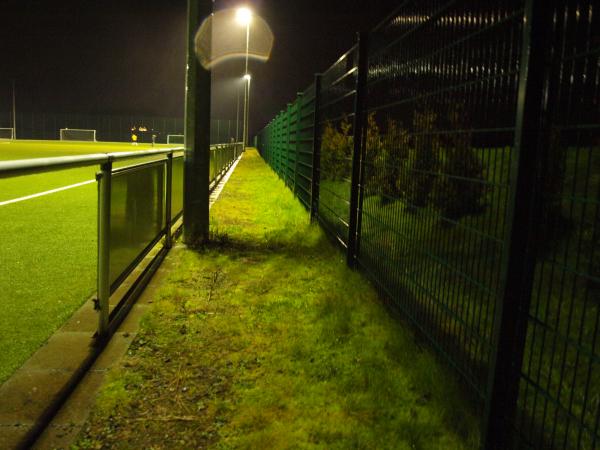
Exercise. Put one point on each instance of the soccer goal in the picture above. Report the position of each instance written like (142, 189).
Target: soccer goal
(7, 133)
(174, 138)
(75, 134)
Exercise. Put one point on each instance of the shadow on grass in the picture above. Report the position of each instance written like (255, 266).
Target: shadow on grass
(263, 338)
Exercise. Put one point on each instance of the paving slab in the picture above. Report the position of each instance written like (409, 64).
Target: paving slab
(28, 393)
(115, 349)
(11, 435)
(64, 351)
(84, 319)
(66, 425)
(131, 324)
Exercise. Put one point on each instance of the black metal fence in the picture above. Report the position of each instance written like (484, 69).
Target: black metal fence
(113, 128)
(454, 154)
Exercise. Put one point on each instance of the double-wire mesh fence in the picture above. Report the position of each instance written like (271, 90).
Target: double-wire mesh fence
(454, 154)
(114, 128)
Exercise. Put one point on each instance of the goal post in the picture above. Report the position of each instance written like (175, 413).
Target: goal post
(7, 133)
(174, 138)
(76, 134)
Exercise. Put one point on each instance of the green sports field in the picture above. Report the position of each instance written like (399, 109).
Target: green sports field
(48, 251)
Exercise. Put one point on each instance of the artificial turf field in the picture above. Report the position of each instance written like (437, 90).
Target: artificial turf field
(48, 251)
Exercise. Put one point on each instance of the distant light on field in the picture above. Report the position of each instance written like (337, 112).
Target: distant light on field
(247, 77)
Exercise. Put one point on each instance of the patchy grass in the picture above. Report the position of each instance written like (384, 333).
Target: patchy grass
(265, 339)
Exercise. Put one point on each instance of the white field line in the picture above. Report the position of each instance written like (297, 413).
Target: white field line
(41, 194)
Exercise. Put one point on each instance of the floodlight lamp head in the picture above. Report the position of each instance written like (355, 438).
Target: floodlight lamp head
(247, 77)
(243, 16)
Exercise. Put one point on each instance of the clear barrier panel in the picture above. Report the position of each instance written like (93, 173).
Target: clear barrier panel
(177, 187)
(137, 215)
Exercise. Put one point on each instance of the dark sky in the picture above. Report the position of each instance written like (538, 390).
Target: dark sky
(112, 57)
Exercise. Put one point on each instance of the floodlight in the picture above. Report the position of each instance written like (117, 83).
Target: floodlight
(243, 16)
(247, 77)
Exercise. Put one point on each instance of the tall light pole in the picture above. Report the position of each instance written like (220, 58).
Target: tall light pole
(237, 116)
(244, 17)
(248, 79)
(14, 111)
(197, 133)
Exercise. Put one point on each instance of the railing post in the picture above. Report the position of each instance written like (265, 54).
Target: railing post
(316, 156)
(168, 200)
(104, 178)
(361, 81)
(519, 258)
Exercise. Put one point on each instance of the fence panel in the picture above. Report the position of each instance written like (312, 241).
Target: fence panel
(222, 157)
(288, 169)
(304, 146)
(109, 128)
(559, 389)
(442, 155)
(177, 188)
(440, 125)
(338, 88)
(279, 136)
(137, 216)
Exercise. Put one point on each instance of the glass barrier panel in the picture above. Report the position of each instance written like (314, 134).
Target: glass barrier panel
(137, 216)
(177, 187)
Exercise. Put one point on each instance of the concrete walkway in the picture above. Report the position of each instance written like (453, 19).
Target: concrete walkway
(66, 425)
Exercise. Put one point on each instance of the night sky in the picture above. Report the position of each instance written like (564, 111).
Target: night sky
(128, 57)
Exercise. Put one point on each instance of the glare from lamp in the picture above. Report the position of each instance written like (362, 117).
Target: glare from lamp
(243, 16)
(247, 77)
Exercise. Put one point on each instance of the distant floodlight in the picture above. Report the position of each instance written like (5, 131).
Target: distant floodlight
(243, 16)
(247, 77)
(221, 38)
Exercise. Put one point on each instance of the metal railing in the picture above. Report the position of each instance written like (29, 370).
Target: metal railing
(137, 207)
(455, 157)
(138, 210)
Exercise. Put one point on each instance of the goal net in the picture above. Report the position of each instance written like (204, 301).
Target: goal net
(7, 133)
(174, 138)
(74, 134)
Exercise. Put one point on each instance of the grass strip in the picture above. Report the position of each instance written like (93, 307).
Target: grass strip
(47, 268)
(265, 339)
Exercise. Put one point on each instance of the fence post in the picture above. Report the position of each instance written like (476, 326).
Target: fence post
(297, 135)
(288, 123)
(359, 100)
(316, 156)
(168, 199)
(279, 145)
(523, 219)
(104, 178)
